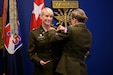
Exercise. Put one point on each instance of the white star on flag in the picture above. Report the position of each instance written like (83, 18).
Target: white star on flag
(37, 10)
(36, 21)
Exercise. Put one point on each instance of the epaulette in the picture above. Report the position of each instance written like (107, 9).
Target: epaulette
(34, 29)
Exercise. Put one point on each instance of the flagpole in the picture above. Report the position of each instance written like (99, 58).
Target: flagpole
(3, 30)
(4, 17)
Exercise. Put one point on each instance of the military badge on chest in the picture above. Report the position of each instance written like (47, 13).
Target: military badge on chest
(41, 35)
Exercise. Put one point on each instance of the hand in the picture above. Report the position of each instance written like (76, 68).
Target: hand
(44, 62)
(60, 27)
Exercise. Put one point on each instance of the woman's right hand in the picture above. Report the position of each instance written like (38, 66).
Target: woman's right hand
(44, 62)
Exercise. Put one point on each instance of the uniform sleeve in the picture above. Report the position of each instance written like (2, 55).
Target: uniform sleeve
(58, 35)
(31, 50)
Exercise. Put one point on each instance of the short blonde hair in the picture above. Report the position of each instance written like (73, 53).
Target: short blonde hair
(79, 14)
(49, 10)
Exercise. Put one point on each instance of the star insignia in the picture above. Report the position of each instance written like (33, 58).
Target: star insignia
(37, 10)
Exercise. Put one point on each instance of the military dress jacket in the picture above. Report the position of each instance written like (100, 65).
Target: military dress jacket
(78, 41)
(39, 48)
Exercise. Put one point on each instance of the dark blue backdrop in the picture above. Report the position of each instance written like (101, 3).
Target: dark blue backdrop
(1, 6)
(100, 23)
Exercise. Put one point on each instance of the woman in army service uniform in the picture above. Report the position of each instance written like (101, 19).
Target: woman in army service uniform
(78, 41)
(40, 51)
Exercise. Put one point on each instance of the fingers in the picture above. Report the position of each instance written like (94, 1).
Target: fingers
(60, 27)
(44, 62)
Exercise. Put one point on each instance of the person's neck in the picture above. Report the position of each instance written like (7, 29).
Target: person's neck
(46, 27)
(79, 23)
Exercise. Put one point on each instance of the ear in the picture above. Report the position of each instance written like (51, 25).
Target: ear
(75, 20)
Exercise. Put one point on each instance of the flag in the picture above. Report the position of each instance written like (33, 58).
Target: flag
(4, 17)
(38, 5)
(13, 61)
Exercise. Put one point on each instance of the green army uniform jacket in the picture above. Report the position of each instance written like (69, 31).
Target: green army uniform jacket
(78, 41)
(39, 48)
